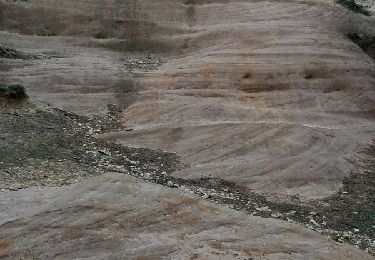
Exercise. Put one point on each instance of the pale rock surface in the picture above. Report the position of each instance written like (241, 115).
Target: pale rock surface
(115, 216)
(268, 94)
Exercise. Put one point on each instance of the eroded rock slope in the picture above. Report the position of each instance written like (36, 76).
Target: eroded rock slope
(269, 95)
(120, 217)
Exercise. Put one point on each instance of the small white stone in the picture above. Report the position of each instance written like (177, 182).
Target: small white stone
(314, 222)
(263, 209)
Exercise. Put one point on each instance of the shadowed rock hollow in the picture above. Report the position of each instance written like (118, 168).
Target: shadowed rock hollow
(271, 95)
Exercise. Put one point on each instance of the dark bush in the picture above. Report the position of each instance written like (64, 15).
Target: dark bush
(3, 90)
(354, 7)
(15, 91)
(366, 42)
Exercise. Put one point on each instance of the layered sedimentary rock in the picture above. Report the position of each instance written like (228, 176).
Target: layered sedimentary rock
(271, 95)
(120, 217)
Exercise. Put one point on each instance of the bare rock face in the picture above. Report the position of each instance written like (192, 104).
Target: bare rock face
(119, 217)
(268, 94)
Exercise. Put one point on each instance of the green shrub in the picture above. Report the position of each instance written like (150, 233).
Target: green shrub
(354, 7)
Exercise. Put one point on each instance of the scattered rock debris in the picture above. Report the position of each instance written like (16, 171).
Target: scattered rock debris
(44, 147)
(99, 123)
(51, 147)
(142, 64)
(9, 53)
